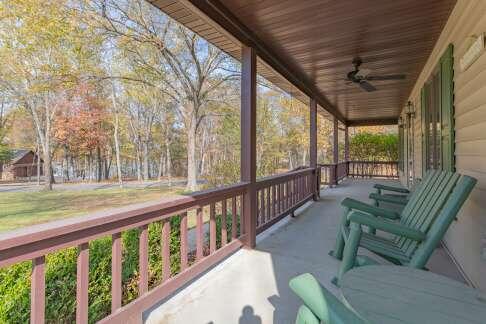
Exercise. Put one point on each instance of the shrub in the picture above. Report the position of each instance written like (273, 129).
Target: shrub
(374, 147)
(219, 226)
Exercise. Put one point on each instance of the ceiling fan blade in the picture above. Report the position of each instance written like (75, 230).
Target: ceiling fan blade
(386, 77)
(367, 86)
(363, 73)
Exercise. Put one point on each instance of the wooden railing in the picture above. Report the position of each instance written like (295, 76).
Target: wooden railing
(277, 196)
(281, 195)
(331, 174)
(373, 169)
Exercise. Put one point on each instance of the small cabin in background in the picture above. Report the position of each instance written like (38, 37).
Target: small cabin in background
(22, 166)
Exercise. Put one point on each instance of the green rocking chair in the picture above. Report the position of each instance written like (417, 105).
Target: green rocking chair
(399, 196)
(419, 228)
(415, 199)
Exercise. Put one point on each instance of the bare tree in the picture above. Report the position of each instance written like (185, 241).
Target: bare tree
(116, 136)
(187, 67)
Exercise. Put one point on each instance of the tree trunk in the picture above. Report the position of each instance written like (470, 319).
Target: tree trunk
(47, 170)
(38, 163)
(191, 156)
(146, 173)
(52, 175)
(161, 166)
(47, 157)
(47, 162)
(85, 167)
(202, 168)
(117, 142)
(139, 166)
(107, 167)
(90, 166)
(66, 158)
(168, 164)
(99, 169)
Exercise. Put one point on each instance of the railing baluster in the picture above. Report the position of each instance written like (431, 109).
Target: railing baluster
(116, 271)
(295, 191)
(242, 219)
(38, 291)
(224, 231)
(262, 207)
(82, 282)
(308, 181)
(291, 193)
(258, 209)
(268, 203)
(287, 195)
(234, 235)
(199, 234)
(301, 188)
(274, 200)
(184, 248)
(212, 228)
(285, 189)
(304, 186)
(143, 260)
(280, 198)
(165, 250)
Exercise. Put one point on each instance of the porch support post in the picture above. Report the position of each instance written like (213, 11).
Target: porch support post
(346, 149)
(313, 145)
(346, 144)
(335, 151)
(248, 142)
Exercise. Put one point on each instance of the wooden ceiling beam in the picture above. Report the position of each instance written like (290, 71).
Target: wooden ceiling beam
(372, 122)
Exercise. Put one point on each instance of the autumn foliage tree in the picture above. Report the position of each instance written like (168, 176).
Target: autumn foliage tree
(81, 126)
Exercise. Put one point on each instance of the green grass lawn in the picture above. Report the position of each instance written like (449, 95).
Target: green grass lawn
(20, 209)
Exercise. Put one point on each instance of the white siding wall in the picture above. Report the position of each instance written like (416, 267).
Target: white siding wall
(466, 239)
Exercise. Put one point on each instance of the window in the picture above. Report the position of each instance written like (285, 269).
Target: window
(438, 116)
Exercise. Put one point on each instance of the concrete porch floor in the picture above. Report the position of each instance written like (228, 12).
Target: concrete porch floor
(251, 287)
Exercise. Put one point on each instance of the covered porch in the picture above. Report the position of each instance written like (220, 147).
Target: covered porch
(251, 286)
(245, 244)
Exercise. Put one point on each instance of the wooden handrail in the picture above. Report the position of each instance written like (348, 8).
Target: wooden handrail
(280, 178)
(332, 173)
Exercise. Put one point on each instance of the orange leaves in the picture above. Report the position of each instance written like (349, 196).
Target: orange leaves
(82, 122)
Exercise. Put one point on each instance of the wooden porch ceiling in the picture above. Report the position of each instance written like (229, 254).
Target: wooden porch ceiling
(307, 47)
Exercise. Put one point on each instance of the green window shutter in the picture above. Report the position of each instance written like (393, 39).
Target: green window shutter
(447, 108)
(425, 133)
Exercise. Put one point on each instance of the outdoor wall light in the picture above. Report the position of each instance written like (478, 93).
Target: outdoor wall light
(410, 109)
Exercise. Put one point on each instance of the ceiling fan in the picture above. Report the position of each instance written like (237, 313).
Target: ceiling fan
(361, 76)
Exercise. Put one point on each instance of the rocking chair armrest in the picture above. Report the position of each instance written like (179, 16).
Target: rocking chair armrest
(370, 209)
(386, 226)
(323, 304)
(389, 199)
(390, 188)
